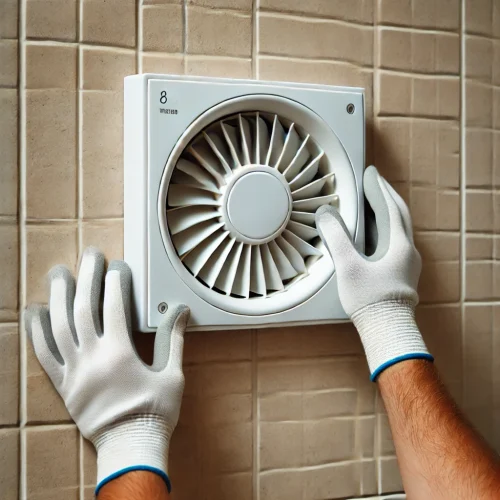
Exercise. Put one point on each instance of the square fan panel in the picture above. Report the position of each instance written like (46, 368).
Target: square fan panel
(222, 180)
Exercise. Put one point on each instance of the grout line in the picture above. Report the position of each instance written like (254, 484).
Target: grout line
(23, 361)
(138, 41)
(255, 38)
(463, 212)
(184, 35)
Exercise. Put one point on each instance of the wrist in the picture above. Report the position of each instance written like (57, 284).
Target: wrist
(389, 334)
(135, 443)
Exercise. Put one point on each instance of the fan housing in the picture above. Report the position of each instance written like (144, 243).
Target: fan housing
(223, 188)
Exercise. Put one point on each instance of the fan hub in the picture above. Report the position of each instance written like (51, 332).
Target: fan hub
(258, 205)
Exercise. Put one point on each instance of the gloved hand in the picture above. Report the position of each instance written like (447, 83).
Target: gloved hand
(126, 408)
(379, 292)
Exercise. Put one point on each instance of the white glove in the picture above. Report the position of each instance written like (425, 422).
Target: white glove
(379, 292)
(126, 408)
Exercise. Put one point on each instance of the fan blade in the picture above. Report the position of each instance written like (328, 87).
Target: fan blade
(198, 257)
(213, 267)
(181, 196)
(312, 204)
(226, 277)
(204, 155)
(304, 248)
(186, 240)
(257, 277)
(246, 140)
(220, 150)
(289, 149)
(231, 136)
(271, 273)
(302, 231)
(182, 218)
(292, 255)
(241, 285)
(184, 179)
(262, 141)
(283, 265)
(200, 175)
(299, 160)
(276, 144)
(313, 189)
(303, 218)
(307, 175)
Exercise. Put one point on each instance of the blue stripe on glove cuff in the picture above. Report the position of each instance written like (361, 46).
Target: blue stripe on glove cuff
(387, 364)
(121, 472)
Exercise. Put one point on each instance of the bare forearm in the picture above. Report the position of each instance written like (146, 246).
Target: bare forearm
(135, 485)
(439, 453)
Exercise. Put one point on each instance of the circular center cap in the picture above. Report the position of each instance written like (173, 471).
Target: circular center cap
(258, 205)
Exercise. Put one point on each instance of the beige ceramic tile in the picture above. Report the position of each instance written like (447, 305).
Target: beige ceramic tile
(8, 69)
(294, 36)
(447, 53)
(162, 63)
(227, 67)
(9, 375)
(448, 210)
(392, 148)
(9, 256)
(8, 146)
(395, 94)
(51, 19)
(89, 493)
(230, 486)
(478, 58)
(69, 493)
(46, 246)
(479, 281)
(478, 357)
(50, 66)
(395, 46)
(52, 459)
(9, 12)
(423, 52)
(50, 176)
(102, 154)
(223, 4)
(478, 104)
(89, 463)
(109, 23)
(9, 463)
(162, 27)
(308, 341)
(105, 235)
(424, 208)
(439, 282)
(202, 347)
(43, 403)
(478, 16)
(438, 246)
(448, 154)
(448, 97)
(105, 69)
(358, 10)
(441, 328)
(479, 206)
(424, 151)
(220, 33)
(386, 445)
(391, 477)
(479, 159)
(479, 247)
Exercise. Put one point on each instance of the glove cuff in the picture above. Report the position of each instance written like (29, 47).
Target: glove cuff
(138, 442)
(389, 334)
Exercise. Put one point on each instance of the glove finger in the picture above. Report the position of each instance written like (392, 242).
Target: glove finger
(88, 293)
(387, 215)
(403, 209)
(38, 328)
(62, 296)
(116, 310)
(335, 236)
(169, 344)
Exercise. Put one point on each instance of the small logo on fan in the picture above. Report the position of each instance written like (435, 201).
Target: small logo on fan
(167, 111)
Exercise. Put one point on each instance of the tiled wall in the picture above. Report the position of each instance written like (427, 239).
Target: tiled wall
(267, 415)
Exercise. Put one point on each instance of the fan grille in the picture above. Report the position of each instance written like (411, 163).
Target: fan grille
(212, 243)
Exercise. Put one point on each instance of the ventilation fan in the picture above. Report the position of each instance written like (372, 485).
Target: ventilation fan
(222, 181)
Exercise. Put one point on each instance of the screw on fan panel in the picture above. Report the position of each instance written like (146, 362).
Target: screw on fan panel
(350, 108)
(162, 307)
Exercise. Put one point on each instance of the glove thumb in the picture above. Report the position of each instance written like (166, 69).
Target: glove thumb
(335, 235)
